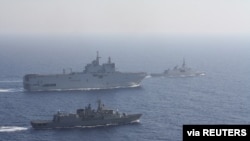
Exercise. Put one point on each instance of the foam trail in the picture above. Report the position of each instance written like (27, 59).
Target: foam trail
(12, 128)
(90, 89)
(11, 81)
(10, 90)
(4, 90)
(136, 121)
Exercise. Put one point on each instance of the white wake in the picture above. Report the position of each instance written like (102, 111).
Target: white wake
(10, 90)
(11, 81)
(4, 90)
(12, 128)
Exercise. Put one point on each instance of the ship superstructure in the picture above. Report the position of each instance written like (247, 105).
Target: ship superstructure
(86, 117)
(182, 71)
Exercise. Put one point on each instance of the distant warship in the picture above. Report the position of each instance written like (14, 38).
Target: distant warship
(86, 117)
(183, 71)
(95, 76)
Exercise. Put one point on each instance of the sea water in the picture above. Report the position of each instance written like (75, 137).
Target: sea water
(221, 96)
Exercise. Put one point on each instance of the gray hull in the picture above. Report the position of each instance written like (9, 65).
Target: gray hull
(82, 81)
(178, 74)
(183, 71)
(78, 122)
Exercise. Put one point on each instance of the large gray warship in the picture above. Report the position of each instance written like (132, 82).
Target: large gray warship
(94, 76)
(182, 71)
(86, 117)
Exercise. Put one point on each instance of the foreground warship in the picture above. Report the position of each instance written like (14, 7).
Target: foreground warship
(183, 71)
(86, 117)
(94, 76)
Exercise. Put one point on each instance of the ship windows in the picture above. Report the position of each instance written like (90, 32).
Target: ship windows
(49, 85)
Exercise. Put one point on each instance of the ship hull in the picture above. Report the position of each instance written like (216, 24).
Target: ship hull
(78, 122)
(177, 74)
(81, 81)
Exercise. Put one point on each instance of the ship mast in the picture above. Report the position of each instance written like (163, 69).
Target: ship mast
(100, 106)
(183, 64)
(109, 60)
(97, 57)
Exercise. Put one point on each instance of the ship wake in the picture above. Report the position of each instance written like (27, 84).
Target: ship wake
(10, 90)
(12, 128)
(91, 89)
(106, 125)
(98, 126)
(11, 81)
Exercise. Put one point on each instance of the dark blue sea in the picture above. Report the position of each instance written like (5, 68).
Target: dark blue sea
(221, 96)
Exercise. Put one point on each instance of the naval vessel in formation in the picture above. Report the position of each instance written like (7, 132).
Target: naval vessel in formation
(183, 71)
(94, 76)
(86, 117)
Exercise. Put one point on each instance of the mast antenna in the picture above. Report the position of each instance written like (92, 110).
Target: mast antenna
(97, 57)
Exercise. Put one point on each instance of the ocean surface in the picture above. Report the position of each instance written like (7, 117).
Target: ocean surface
(221, 96)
